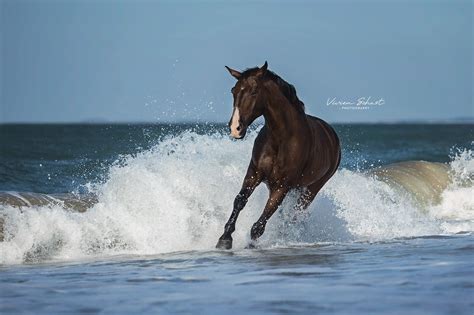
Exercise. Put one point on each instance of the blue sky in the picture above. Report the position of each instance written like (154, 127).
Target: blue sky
(75, 61)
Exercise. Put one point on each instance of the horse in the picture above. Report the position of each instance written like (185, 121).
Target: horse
(292, 151)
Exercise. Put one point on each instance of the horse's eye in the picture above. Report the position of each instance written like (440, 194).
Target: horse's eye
(253, 93)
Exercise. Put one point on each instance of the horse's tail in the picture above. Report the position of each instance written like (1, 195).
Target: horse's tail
(339, 155)
(337, 143)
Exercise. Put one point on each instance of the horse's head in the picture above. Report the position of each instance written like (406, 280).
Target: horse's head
(248, 99)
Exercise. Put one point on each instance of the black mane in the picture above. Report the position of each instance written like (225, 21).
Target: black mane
(286, 88)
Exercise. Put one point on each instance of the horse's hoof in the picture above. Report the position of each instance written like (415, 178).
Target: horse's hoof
(224, 244)
(251, 245)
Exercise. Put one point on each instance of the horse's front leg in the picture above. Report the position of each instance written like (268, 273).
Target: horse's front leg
(274, 200)
(252, 180)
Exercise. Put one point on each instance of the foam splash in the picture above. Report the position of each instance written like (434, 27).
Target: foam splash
(456, 209)
(178, 195)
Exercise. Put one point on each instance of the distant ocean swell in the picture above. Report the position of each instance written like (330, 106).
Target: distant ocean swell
(177, 196)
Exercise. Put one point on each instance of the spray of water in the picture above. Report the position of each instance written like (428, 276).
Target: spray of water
(178, 195)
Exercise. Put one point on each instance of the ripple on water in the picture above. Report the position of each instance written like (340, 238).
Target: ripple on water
(167, 279)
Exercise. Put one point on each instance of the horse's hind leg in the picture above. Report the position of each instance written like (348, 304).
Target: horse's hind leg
(251, 181)
(273, 202)
(306, 198)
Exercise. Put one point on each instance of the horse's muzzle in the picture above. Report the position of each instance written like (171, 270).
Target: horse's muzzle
(239, 133)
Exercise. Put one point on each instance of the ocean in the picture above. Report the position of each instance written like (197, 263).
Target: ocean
(123, 218)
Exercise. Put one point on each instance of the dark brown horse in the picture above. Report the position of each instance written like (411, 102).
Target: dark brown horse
(292, 150)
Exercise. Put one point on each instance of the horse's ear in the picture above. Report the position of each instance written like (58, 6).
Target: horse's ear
(263, 69)
(236, 74)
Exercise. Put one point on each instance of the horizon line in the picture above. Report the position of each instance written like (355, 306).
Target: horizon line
(466, 120)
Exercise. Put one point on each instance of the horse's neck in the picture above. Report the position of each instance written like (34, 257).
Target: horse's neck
(282, 118)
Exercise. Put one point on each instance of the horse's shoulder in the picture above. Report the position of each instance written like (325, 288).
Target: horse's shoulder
(262, 150)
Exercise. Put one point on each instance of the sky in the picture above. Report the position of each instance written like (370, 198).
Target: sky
(161, 61)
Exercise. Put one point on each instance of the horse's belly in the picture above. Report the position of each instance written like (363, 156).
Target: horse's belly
(310, 177)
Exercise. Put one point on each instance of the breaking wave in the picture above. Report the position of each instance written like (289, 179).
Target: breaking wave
(178, 195)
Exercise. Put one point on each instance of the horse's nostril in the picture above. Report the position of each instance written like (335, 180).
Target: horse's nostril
(238, 128)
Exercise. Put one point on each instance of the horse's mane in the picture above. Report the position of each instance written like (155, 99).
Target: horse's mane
(286, 88)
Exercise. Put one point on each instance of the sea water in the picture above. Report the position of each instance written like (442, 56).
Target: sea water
(164, 193)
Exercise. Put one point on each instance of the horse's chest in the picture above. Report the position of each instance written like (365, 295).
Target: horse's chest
(266, 164)
(272, 166)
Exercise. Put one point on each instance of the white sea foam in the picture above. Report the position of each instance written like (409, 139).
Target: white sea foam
(456, 210)
(178, 196)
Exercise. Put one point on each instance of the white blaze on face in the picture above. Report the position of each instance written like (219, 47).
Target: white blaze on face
(235, 124)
